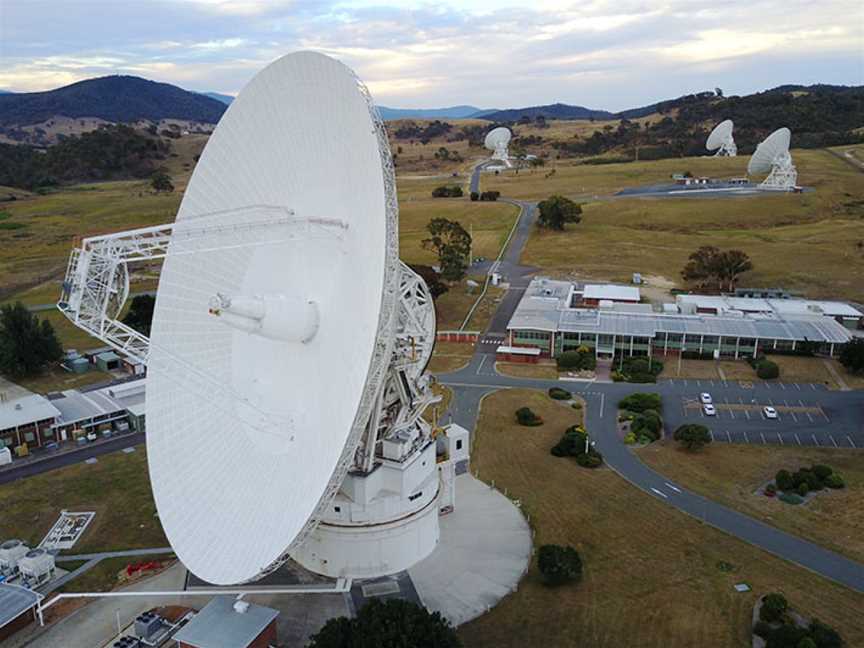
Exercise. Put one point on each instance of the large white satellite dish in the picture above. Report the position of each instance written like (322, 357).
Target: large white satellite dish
(288, 343)
(496, 141)
(720, 140)
(772, 157)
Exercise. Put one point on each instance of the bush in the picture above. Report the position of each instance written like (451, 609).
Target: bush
(786, 636)
(774, 606)
(639, 402)
(834, 481)
(559, 394)
(525, 416)
(802, 489)
(790, 498)
(474, 196)
(572, 443)
(762, 629)
(807, 642)
(559, 565)
(590, 459)
(638, 369)
(576, 406)
(784, 481)
(692, 436)
(447, 191)
(647, 423)
(581, 358)
(629, 438)
(768, 370)
(824, 636)
(770, 490)
(491, 196)
(821, 471)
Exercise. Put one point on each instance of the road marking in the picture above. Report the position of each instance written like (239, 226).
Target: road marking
(728, 436)
(770, 402)
(767, 386)
(797, 439)
(782, 386)
(822, 412)
(763, 439)
(850, 442)
(812, 386)
(482, 360)
(797, 386)
(780, 438)
(794, 418)
(711, 434)
(660, 493)
(814, 439)
(698, 384)
(685, 382)
(746, 438)
(833, 441)
(602, 403)
(675, 488)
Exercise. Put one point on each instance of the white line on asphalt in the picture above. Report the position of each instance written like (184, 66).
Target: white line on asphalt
(797, 439)
(711, 434)
(780, 438)
(731, 413)
(660, 493)
(746, 438)
(698, 384)
(602, 403)
(685, 382)
(812, 386)
(797, 386)
(767, 386)
(814, 439)
(809, 417)
(794, 418)
(675, 488)
(822, 412)
(480, 366)
(770, 402)
(728, 436)
(763, 438)
(782, 386)
(833, 441)
(850, 442)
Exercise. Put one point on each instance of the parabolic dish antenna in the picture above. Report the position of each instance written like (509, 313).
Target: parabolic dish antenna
(496, 141)
(721, 140)
(772, 157)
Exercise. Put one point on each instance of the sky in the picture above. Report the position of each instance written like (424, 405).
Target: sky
(603, 54)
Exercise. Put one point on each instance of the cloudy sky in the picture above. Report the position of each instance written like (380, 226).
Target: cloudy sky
(611, 54)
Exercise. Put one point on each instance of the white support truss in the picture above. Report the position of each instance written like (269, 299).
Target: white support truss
(727, 148)
(783, 175)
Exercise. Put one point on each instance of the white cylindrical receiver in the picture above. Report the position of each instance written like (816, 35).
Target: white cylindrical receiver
(277, 317)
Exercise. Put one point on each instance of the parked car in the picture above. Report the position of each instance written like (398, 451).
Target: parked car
(709, 409)
(92, 436)
(769, 412)
(705, 397)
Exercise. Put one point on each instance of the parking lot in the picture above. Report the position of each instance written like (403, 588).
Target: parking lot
(806, 415)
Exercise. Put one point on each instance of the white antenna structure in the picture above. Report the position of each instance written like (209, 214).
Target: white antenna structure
(721, 140)
(772, 156)
(496, 141)
(286, 363)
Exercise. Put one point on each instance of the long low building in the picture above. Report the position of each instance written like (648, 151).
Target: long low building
(546, 320)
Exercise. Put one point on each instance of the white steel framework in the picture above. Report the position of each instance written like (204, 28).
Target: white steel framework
(727, 148)
(783, 175)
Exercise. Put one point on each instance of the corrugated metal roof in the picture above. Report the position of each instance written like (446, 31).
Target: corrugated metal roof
(15, 600)
(610, 291)
(26, 410)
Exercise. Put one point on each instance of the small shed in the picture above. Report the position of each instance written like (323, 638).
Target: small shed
(108, 361)
(226, 622)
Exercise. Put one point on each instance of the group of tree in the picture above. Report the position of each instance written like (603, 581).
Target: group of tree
(449, 240)
(581, 358)
(575, 443)
(445, 154)
(485, 196)
(779, 628)
(413, 131)
(112, 152)
(161, 182)
(556, 211)
(432, 279)
(447, 191)
(559, 565)
(766, 369)
(802, 481)
(692, 436)
(27, 345)
(711, 266)
(636, 369)
(643, 411)
(852, 355)
(393, 623)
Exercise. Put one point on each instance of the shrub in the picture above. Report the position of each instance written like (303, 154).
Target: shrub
(617, 376)
(639, 402)
(576, 406)
(525, 416)
(629, 438)
(770, 490)
(807, 476)
(643, 439)
(559, 394)
(762, 629)
(447, 191)
(692, 436)
(807, 642)
(824, 636)
(774, 606)
(648, 423)
(490, 196)
(790, 498)
(572, 443)
(834, 480)
(786, 636)
(768, 370)
(802, 489)
(821, 471)
(590, 459)
(784, 481)
(559, 565)
(474, 196)
(581, 358)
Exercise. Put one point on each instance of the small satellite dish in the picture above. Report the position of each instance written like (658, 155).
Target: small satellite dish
(721, 140)
(496, 141)
(772, 157)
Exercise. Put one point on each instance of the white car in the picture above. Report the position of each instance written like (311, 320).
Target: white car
(709, 409)
(769, 412)
(705, 397)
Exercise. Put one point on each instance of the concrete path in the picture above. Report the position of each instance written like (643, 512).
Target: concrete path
(485, 549)
(836, 375)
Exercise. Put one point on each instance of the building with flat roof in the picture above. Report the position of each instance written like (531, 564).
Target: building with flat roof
(843, 313)
(545, 320)
(27, 419)
(114, 408)
(19, 607)
(226, 622)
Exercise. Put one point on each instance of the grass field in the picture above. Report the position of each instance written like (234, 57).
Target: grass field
(730, 474)
(651, 573)
(117, 488)
(450, 356)
(805, 242)
(103, 577)
(543, 370)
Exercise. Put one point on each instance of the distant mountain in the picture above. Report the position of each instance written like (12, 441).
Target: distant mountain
(225, 99)
(6, 92)
(113, 98)
(551, 111)
(454, 112)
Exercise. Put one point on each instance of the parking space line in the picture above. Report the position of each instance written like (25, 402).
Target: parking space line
(746, 438)
(711, 434)
(660, 493)
(822, 412)
(763, 438)
(685, 382)
(833, 441)
(729, 436)
(780, 438)
(812, 386)
(747, 414)
(851, 443)
(797, 386)
(782, 386)
(698, 383)
(814, 439)
(731, 412)
(794, 418)
(797, 439)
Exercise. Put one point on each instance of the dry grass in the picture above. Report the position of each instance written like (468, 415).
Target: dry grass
(117, 488)
(731, 474)
(695, 369)
(738, 370)
(57, 379)
(805, 242)
(795, 369)
(651, 573)
(450, 356)
(852, 380)
(544, 370)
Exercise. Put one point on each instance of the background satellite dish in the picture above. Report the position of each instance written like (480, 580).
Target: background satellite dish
(721, 140)
(496, 141)
(772, 157)
(297, 329)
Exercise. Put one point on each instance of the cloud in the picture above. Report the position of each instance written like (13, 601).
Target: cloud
(609, 54)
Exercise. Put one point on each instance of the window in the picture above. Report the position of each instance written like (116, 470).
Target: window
(458, 444)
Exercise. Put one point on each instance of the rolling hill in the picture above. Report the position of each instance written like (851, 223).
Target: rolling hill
(454, 112)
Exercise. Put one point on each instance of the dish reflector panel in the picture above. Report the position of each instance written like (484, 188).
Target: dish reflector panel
(497, 138)
(265, 359)
(770, 151)
(720, 134)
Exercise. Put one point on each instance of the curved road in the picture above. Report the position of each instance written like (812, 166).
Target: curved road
(479, 378)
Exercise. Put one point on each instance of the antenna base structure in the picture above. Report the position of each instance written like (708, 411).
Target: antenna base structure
(783, 175)
(727, 149)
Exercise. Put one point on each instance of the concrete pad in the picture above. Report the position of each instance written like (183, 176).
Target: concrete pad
(485, 549)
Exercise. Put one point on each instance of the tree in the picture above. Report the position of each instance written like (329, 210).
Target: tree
(710, 264)
(639, 402)
(693, 436)
(852, 355)
(731, 264)
(768, 370)
(557, 211)
(388, 624)
(774, 606)
(432, 279)
(452, 244)
(26, 344)
(559, 565)
(161, 181)
(140, 315)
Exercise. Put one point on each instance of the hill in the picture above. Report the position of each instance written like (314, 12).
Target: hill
(454, 112)
(225, 99)
(551, 111)
(112, 98)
